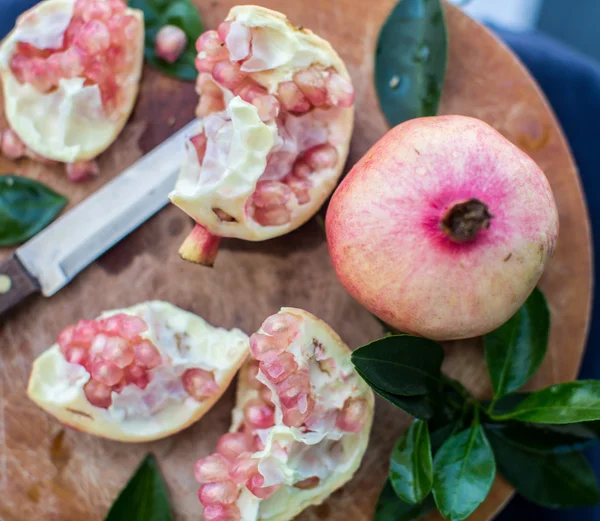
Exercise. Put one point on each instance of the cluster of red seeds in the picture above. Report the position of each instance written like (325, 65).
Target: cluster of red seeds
(313, 87)
(223, 473)
(113, 352)
(95, 47)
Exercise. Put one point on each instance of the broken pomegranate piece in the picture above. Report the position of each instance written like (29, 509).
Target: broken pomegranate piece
(276, 114)
(137, 374)
(299, 432)
(70, 72)
(170, 43)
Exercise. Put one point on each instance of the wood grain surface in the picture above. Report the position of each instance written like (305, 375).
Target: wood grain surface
(48, 473)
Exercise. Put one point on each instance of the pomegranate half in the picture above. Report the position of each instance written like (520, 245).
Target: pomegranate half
(137, 374)
(443, 228)
(276, 115)
(70, 71)
(300, 426)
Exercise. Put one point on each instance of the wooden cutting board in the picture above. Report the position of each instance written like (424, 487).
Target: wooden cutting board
(48, 473)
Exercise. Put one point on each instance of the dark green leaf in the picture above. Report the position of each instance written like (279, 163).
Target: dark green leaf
(144, 498)
(464, 471)
(411, 468)
(439, 436)
(402, 365)
(181, 13)
(410, 62)
(515, 350)
(551, 480)
(422, 406)
(506, 403)
(26, 207)
(570, 402)
(544, 439)
(391, 508)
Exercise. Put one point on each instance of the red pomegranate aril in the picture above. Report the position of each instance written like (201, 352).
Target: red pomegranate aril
(220, 512)
(308, 483)
(76, 355)
(98, 394)
(292, 388)
(228, 74)
(291, 97)
(209, 104)
(302, 170)
(243, 469)
(84, 332)
(232, 444)
(256, 485)
(223, 30)
(132, 326)
(283, 326)
(268, 107)
(136, 375)
(250, 90)
(146, 355)
(212, 468)
(269, 194)
(293, 416)
(106, 373)
(264, 347)
(97, 11)
(199, 142)
(118, 351)
(259, 415)
(223, 492)
(204, 65)
(82, 170)
(211, 46)
(11, 145)
(277, 369)
(312, 85)
(340, 92)
(272, 216)
(170, 43)
(206, 85)
(321, 156)
(93, 38)
(300, 187)
(199, 384)
(351, 417)
(65, 337)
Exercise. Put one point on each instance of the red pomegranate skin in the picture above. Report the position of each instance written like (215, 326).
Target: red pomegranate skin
(400, 242)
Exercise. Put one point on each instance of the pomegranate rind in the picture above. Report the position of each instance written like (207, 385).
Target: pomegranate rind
(293, 49)
(391, 254)
(68, 124)
(333, 389)
(57, 385)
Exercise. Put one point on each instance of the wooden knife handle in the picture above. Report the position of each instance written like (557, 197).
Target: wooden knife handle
(15, 283)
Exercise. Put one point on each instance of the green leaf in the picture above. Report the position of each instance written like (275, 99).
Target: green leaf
(545, 439)
(410, 61)
(506, 403)
(570, 402)
(144, 498)
(421, 406)
(411, 467)
(26, 207)
(181, 13)
(464, 471)
(402, 365)
(515, 350)
(551, 480)
(391, 508)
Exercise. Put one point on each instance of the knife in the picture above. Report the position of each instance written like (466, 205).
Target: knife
(52, 258)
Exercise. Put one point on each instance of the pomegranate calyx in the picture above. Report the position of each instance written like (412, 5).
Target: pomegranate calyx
(200, 246)
(464, 220)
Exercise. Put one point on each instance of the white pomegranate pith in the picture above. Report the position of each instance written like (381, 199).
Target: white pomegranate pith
(276, 113)
(138, 373)
(70, 71)
(300, 426)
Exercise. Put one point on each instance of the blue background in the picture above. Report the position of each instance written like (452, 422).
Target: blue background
(572, 84)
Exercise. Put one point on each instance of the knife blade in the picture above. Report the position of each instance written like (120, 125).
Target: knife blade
(52, 258)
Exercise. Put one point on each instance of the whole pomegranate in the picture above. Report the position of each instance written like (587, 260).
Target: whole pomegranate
(443, 228)
(276, 113)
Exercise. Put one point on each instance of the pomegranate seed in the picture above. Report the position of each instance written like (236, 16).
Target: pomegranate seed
(199, 142)
(270, 194)
(272, 216)
(170, 43)
(250, 90)
(65, 337)
(308, 483)
(209, 46)
(259, 415)
(96, 11)
(84, 332)
(352, 416)
(228, 74)
(312, 85)
(206, 85)
(283, 326)
(94, 37)
(232, 444)
(107, 373)
(243, 468)
(223, 492)
(265, 394)
(136, 375)
(220, 512)
(209, 104)
(82, 170)
(98, 394)
(223, 30)
(277, 369)
(300, 187)
(146, 355)
(132, 326)
(292, 388)
(292, 98)
(76, 355)
(268, 107)
(264, 347)
(256, 485)
(199, 384)
(212, 468)
(340, 92)
(118, 351)
(11, 145)
(301, 170)
(98, 345)
(204, 65)
(321, 157)
(294, 416)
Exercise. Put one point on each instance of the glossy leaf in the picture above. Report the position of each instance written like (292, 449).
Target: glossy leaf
(515, 350)
(552, 480)
(26, 207)
(411, 467)
(464, 471)
(545, 439)
(402, 365)
(391, 508)
(181, 13)
(570, 402)
(410, 61)
(144, 498)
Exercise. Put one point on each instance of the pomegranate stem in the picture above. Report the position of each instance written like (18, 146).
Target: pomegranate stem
(200, 246)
